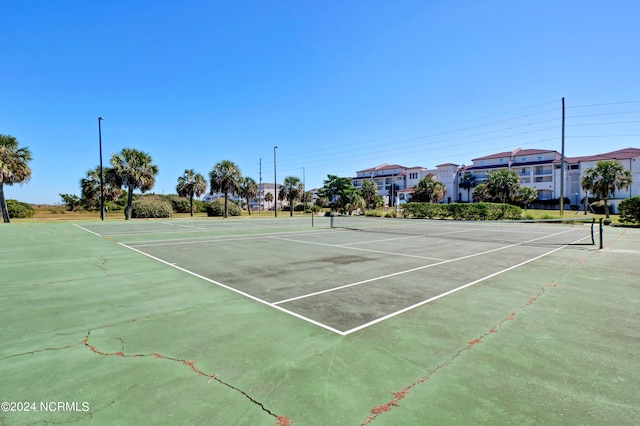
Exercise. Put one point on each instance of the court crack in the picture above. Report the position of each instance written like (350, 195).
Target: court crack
(398, 396)
(190, 364)
(35, 351)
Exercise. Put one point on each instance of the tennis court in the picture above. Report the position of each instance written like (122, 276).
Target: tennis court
(275, 322)
(346, 273)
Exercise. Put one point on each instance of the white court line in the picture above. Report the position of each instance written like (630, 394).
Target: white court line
(88, 230)
(343, 246)
(186, 226)
(424, 302)
(403, 238)
(220, 238)
(242, 293)
(329, 290)
(226, 227)
(329, 328)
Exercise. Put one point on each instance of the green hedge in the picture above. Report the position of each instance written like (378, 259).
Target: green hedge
(463, 211)
(20, 210)
(216, 208)
(151, 207)
(629, 210)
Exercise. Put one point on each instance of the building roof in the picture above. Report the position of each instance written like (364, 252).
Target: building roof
(621, 154)
(517, 152)
(383, 166)
(447, 164)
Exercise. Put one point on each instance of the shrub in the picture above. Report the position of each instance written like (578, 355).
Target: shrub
(199, 206)
(630, 210)
(463, 211)
(216, 208)
(20, 210)
(457, 210)
(150, 207)
(180, 204)
(422, 210)
(477, 211)
(504, 212)
(391, 213)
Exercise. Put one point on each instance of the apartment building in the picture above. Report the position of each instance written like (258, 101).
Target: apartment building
(396, 182)
(537, 168)
(541, 169)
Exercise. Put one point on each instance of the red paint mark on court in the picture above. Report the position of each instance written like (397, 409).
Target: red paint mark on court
(474, 342)
(280, 420)
(397, 396)
(283, 421)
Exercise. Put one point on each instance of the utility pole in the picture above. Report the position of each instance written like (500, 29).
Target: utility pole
(260, 190)
(275, 185)
(562, 166)
(101, 173)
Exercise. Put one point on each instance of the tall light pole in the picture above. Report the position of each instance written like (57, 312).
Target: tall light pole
(275, 185)
(101, 175)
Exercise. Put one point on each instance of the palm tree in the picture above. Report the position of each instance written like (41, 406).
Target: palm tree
(429, 190)
(225, 177)
(132, 169)
(248, 190)
(14, 168)
(291, 191)
(90, 189)
(191, 184)
(526, 195)
(268, 197)
(467, 182)
(369, 191)
(355, 201)
(480, 193)
(604, 180)
(503, 184)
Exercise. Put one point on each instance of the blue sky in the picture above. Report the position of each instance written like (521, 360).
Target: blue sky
(338, 86)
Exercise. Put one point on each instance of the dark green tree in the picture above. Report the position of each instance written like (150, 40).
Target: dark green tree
(369, 190)
(191, 184)
(225, 178)
(14, 168)
(268, 197)
(249, 191)
(503, 184)
(337, 190)
(429, 190)
(467, 182)
(90, 189)
(132, 169)
(605, 179)
(291, 191)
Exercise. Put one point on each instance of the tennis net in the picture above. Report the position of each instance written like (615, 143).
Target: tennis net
(569, 231)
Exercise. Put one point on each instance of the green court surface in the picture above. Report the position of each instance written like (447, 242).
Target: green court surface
(271, 321)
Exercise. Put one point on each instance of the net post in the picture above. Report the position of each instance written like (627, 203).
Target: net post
(593, 222)
(331, 221)
(601, 244)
